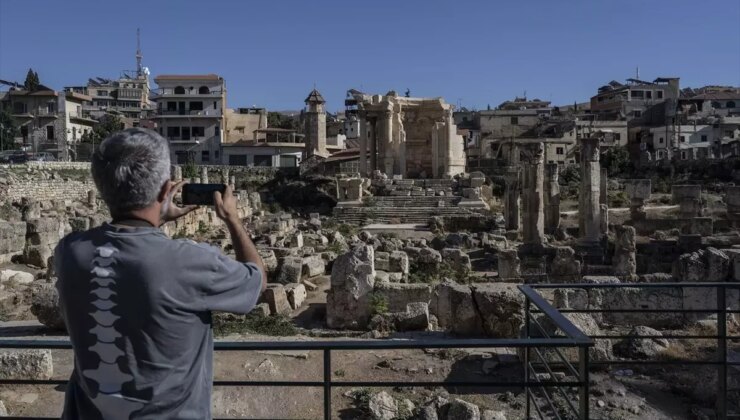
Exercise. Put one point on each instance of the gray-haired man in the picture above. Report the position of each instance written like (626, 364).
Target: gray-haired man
(138, 304)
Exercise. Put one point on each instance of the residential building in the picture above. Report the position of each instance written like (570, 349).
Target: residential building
(270, 147)
(50, 121)
(645, 102)
(243, 123)
(190, 113)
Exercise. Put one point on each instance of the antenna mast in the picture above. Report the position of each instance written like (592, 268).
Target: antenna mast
(139, 68)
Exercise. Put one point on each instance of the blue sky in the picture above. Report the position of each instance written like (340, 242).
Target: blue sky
(271, 53)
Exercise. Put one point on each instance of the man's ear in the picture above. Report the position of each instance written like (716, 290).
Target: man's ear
(165, 191)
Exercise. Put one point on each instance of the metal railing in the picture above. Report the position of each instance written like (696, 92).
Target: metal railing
(573, 339)
(681, 317)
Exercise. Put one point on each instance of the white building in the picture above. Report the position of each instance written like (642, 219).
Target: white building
(190, 114)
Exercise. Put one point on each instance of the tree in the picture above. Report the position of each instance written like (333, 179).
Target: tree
(616, 160)
(32, 81)
(107, 125)
(278, 120)
(8, 130)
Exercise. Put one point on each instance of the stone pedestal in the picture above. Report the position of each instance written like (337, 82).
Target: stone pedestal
(688, 197)
(552, 198)
(624, 260)
(204, 175)
(511, 198)
(177, 173)
(638, 191)
(533, 220)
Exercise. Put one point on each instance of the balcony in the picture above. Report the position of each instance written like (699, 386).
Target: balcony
(208, 113)
(170, 93)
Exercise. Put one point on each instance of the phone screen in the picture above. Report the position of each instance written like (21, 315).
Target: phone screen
(200, 194)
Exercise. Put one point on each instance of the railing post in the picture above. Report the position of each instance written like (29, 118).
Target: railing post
(327, 384)
(526, 359)
(583, 391)
(721, 353)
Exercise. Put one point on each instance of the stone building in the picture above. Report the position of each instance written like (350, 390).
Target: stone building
(315, 125)
(412, 137)
(190, 114)
(49, 121)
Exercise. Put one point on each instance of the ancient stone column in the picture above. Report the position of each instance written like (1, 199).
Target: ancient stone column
(388, 155)
(92, 199)
(363, 145)
(225, 175)
(589, 209)
(533, 220)
(638, 190)
(604, 187)
(511, 198)
(177, 173)
(624, 260)
(232, 182)
(374, 145)
(204, 175)
(552, 198)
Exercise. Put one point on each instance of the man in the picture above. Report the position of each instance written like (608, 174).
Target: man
(138, 304)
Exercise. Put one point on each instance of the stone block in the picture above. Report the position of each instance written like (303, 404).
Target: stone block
(455, 309)
(416, 317)
(398, 261)
(702, 226)
(37, 255)
(291, 269)
(382, 261)
(277, 299)
(457, 258)
(501, 307)
(296, 294)
(26, 364)
(261, 309)
(19, 277)
(313, 266)
(45, 306)
(352, 281)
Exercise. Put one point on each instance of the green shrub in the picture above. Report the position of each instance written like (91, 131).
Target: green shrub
(378, 304)
(189, 170)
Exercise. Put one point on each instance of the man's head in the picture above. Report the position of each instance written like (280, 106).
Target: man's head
(131, 169)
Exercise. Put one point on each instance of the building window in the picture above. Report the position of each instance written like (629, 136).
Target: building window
(215, 105)
(660, 94)
(730, 134)
(205, 156)
(173, 132)
(19, 108)
(514, 120)
(649, 94)
(683, 139)
(730, 104)
(617, 136)
(240, 160)
(50, 107)
(203, 90)
(196, 106)
(703, 138)
(288, 161)
(262, 160)
(660, 140)
(637, 94)
(559, 150)
(179, 90)
(199, 131)
(716, 105)
(102, 93)
(683, 155)
(171, 106)
(49, 132)
(637, 113)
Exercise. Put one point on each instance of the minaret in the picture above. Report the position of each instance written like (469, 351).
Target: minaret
(315, 128)
(139, 56)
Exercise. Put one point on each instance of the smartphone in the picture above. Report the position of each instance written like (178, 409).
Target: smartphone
(200, 194)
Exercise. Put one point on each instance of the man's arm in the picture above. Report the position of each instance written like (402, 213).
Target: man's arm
(243, 246)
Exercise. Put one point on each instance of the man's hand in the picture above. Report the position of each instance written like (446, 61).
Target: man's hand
(226, 205)
(173, 211)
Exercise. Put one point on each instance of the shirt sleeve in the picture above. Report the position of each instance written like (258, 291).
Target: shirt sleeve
(233, 286)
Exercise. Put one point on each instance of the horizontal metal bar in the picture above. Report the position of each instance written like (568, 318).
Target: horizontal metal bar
(632, 285)
(671, 336)
(343, 345)
(563, 323)
(660, 362)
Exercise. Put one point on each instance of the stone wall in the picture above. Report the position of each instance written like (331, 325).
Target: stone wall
(49, 189)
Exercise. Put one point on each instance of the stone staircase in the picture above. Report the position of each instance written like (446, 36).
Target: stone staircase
(404, 214)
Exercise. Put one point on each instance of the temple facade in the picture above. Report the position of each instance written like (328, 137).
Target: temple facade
(411, 137)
